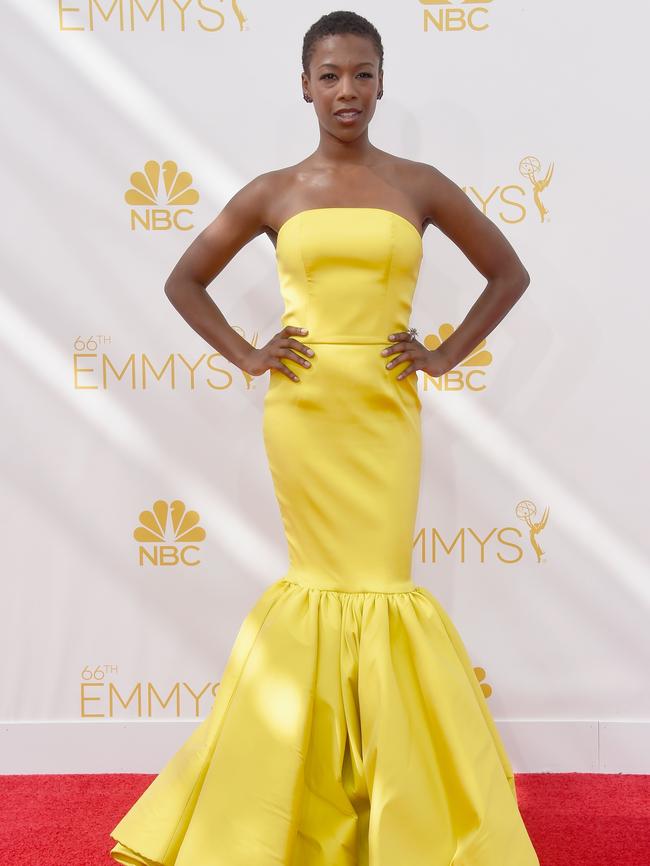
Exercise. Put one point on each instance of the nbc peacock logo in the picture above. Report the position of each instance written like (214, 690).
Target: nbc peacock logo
(168, 534)
(469, 374)
(160, 197)
(448, 16)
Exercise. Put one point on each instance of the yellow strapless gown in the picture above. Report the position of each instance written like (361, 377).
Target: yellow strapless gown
(349, 727)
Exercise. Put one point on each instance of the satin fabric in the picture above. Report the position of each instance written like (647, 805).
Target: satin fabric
(349, 727)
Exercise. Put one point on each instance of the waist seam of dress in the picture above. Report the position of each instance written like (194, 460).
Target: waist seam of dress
(413, 589)
(351, 340)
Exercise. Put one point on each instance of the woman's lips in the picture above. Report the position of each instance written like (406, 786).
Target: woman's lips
(347, 116)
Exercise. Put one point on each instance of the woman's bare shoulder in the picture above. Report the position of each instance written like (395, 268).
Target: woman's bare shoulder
(412, 173)
(416, 181)
(429, 188)
(280, 188)
(254, 205)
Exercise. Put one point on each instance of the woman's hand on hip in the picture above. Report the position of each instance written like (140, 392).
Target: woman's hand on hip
(434, 362)
(281, 345)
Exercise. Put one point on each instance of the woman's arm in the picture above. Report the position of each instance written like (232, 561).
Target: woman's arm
(241, 220)
(486, 247)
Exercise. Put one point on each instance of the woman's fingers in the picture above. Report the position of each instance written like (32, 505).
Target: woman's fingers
(403, 336)
(292, 342)
(399, 360)
(401, 342)
(287, 372)
(299, 346)
(287, 352)
(288, 347)
(410, 369)
(408, 348)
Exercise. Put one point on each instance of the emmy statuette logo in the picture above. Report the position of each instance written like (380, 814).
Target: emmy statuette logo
(530, 167)
(525, 511)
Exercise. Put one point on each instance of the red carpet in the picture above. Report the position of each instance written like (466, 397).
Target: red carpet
(574, 819)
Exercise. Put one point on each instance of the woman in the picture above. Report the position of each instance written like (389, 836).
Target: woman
(349, 728)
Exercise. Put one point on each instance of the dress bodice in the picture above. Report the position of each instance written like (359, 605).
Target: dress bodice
(344, 439)
(348, 274)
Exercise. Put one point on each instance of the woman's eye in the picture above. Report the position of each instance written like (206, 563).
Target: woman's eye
(327, 74)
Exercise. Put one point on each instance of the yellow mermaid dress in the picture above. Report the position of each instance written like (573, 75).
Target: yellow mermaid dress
(349, 727)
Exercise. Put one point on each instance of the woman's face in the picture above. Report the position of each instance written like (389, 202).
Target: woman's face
(344, 75)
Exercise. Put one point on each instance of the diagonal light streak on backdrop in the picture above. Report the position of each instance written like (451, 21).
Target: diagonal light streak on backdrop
(146, 110)
(130, 95)
(128, 434)
(567, 510)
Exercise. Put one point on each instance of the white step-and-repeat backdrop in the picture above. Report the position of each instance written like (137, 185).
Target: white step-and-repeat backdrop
(138, 515)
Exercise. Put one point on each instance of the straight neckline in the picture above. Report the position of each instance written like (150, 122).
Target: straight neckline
(314, 209)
